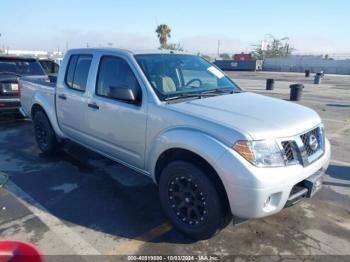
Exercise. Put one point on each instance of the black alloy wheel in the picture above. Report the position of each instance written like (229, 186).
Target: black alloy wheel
(191, 200)
(44, 134)
(187, 200)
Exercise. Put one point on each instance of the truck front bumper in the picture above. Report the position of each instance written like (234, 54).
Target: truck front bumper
(255, 192)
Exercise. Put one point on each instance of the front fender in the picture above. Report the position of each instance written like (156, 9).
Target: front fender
(192, 140)
(47, 102)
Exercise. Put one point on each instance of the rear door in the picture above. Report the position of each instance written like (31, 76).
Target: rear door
(72, 98)
(117, 127)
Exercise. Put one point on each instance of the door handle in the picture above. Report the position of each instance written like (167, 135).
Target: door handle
(94, 106)
(62, 96)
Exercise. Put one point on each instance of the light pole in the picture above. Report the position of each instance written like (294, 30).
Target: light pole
(219, 48)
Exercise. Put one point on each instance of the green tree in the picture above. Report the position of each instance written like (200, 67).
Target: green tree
(163, 31)
(225, 56)
(274, 48)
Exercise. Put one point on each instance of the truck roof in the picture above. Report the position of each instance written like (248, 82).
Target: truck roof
(17, 57)
(134, 52)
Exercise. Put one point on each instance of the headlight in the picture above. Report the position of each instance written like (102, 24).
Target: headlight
(263, 153)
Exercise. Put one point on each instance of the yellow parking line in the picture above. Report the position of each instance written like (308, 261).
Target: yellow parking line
(130, 246)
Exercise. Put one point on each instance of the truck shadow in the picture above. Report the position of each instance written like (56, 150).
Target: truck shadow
(341, 174)
(83, 188)
(11, 119)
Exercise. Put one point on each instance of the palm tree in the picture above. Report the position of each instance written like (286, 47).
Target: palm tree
(163, 32)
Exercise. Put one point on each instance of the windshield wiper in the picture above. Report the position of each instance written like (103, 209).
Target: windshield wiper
(10, 73)
(189, 95)
(208, 93)
(221, 91)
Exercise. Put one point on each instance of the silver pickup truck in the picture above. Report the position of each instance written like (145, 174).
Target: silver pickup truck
(214, 150)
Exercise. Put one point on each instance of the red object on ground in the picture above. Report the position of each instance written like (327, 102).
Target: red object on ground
(19, 251)
(242, 57)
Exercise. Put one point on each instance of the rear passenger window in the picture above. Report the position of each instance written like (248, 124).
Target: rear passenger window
(78, 71)
(70, 70)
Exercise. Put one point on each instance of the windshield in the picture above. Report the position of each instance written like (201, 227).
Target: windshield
(21, 66)
(173, 75)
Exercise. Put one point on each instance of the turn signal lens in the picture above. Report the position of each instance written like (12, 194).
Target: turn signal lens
(243, 148)
(262, 153)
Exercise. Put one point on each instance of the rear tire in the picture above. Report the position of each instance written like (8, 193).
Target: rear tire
(44, 134)
(191, 200)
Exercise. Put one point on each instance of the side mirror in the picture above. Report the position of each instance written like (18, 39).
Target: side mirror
(122, 93)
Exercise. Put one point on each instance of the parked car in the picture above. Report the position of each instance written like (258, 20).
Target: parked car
(213, 149)
(11, 68)
(51, 68)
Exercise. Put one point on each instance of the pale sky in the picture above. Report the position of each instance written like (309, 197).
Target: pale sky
(313, 26)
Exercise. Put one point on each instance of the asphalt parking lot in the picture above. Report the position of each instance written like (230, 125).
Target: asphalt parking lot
(78, 202)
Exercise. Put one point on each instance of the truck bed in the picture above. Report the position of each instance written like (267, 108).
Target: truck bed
(36, 90)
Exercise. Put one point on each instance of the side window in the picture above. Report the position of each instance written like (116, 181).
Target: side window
(55, 68)
(115, 72)
(78, 71)
(45, 66)
(70, 70)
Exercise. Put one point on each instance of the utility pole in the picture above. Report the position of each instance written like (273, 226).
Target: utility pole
(0, 43)
(219, 48)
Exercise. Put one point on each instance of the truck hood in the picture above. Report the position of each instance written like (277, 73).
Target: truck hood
(258, 116)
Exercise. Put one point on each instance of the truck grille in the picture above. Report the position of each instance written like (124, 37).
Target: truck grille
(306, 138)
(305, 148)
(288, 150)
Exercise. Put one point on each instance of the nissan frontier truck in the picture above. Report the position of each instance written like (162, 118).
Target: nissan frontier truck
(215, 151)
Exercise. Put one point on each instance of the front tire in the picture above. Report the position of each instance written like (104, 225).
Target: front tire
(44, 134)
(190, 200)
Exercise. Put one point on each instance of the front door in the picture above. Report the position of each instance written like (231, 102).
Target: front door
(117, 127)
